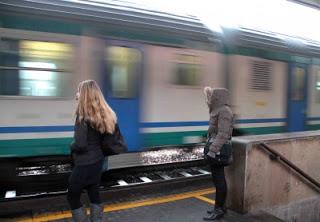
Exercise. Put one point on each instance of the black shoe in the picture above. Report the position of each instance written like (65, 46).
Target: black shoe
(216, 214)
(211, 211)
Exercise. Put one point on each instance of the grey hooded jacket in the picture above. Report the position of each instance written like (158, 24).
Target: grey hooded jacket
(221, 117)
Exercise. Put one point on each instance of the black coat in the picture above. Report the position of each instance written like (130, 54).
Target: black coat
(86, 147)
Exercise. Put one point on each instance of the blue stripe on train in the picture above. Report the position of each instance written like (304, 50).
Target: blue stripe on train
(313, 118)
(273, 120)
(66, 128)
(173, 124)
(205, 123)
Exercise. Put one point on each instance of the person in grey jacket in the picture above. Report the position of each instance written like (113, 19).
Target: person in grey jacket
(94, 118)
(220, 130)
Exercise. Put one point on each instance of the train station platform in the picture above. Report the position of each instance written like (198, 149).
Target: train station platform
(181, 205)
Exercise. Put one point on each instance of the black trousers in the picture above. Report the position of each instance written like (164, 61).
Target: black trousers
(219, 180)
(84, 177)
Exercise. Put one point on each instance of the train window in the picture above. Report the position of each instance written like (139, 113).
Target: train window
(34, 68)
(261, 76)
(297, 84)
(186, 71)
(123, 65)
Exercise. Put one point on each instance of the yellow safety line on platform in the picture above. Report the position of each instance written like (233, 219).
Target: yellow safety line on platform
(121, 206)
(205, 199)
(157, 200)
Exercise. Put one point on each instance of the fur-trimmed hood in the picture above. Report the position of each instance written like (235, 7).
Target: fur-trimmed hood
(216, 98)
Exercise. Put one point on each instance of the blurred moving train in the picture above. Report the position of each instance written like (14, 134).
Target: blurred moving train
(152, 67)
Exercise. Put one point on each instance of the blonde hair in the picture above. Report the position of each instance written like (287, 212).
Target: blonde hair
(93, 108)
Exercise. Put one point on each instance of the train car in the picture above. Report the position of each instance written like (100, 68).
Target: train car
(152, 67)
(274, 81)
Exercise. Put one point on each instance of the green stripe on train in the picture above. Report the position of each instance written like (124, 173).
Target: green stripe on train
(60, 146)
(176, 138)
(263, 130)
(168, 138)
(34, 147)
(313, 127)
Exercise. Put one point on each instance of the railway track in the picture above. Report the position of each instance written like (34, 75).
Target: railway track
(51, 185)
(41, 186)
(128, 170)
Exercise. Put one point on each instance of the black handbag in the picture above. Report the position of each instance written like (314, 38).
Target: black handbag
(113, 144)
(224, 158)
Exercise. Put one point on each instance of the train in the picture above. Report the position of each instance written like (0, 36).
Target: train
(152, 67)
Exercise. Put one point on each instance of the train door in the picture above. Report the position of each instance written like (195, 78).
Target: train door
(297, 97)
(123, 71)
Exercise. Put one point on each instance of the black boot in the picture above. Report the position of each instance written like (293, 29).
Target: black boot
(211, 211)
(216, 214)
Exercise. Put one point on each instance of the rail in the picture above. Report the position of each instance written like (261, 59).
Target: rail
(281, 159)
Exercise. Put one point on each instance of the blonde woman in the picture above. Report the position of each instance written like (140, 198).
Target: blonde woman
(94, 118)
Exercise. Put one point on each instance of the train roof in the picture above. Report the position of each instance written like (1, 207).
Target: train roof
(270, 40)
(162, 27)
(119, 13)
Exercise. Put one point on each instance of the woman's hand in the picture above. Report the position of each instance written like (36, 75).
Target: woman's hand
(211, 154)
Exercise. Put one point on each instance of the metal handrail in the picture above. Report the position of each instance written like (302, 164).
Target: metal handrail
(279, 157)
